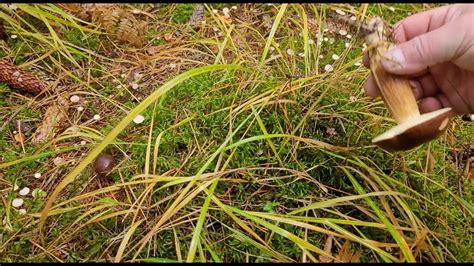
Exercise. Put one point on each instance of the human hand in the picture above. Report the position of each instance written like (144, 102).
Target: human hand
(435, 49)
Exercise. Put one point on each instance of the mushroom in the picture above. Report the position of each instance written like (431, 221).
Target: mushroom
(104, 164)
(413, 128)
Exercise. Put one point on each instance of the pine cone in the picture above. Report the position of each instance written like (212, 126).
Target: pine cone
(19, 79)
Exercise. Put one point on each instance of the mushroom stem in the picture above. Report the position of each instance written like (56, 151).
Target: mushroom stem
(395, 90)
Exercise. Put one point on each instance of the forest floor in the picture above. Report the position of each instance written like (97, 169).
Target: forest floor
(240, 134)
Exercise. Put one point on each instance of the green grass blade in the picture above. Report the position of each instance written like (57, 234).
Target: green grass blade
(395, 234)
(272, 34)
(200, 223)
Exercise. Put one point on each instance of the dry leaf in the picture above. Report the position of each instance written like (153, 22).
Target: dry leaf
(346, 254)
(19, 137)
(168, 37)
(153, 49)
(327, 249)
(71, 7)
(54, 118)
(226, 19)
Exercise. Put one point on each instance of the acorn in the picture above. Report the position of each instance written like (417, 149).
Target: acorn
(104, 164)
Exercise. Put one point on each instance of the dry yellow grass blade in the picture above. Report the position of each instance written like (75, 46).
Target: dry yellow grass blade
(177, 245)
(121, 126)
(126, 238)
(168, 214)
(242, 224)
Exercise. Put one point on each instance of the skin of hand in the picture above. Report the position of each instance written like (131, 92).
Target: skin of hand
(435, 49)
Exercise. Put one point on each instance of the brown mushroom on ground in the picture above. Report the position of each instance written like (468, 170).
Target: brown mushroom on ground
(104, 164)
(413, 128)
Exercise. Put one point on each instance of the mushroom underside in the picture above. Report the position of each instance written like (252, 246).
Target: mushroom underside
(414, 131)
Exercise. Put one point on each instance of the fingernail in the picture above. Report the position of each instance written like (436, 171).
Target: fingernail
(393, 60)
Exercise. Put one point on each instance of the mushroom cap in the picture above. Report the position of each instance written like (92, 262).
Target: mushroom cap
(415, 131)
(104, 164)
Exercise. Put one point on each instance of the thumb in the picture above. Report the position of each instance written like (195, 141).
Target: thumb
(425, 50)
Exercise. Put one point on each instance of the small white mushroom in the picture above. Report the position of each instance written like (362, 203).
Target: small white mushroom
(24, 191)
(96, 117)
(335, 57)
(22, 211)
(138, 119)
(37, 175)
(328, 68)
(290, 52)
(17, 202)
(74, 99)
(340, 12)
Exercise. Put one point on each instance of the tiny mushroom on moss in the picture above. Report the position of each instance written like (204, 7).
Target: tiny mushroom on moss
(17, 202)
(24, 191)
(104, 164)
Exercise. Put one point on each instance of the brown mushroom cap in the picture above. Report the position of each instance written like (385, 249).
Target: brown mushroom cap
(104, 164)
(414, 131)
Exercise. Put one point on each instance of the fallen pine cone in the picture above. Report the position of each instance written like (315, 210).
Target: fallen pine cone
(19, 79)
